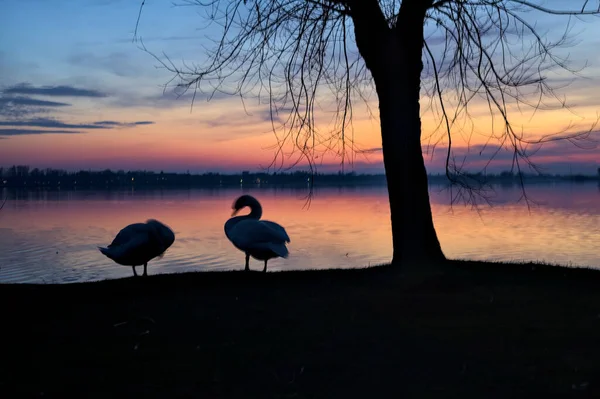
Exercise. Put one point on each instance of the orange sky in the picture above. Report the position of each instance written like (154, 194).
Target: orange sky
(83, 61)
(180, 140)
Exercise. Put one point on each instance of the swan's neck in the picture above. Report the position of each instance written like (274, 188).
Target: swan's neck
(255, 213)
(255, 210)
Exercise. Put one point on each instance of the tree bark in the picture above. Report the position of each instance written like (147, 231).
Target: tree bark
(393, 55)
(413, 233)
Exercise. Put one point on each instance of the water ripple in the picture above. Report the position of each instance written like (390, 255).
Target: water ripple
(54, 238)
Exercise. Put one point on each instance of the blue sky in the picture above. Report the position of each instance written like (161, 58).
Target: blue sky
(120, 118)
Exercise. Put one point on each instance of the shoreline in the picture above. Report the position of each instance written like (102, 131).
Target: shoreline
(287, 185)
(459, 265)
(520, 267)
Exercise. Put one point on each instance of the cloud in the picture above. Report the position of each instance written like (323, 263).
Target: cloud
(551, 157)
(130, 39)
(21, 108)
(551, 148)
(159, 39)
(16, 102)
(103, 2)
(58, 91)
(52, 123)
(110, 124)
(253, 117)
(169, 98)
(21, 112)
(57, 124)
(117, 63)
(28, 101)
(22, 132)
(370, 150)
(16, 107)
(107, 123)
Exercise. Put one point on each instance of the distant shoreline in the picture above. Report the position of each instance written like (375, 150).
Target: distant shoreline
(23, 177)
(291, 185)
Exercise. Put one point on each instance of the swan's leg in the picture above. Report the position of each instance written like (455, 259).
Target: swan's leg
(145, 271)
(265, 269)
(134, 272)
(247, 262)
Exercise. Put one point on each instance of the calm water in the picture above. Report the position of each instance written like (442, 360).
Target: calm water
(53, 236)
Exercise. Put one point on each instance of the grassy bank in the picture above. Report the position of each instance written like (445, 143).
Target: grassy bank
(476, 330)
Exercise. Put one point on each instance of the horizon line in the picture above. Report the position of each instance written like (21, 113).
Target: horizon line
(301, 171)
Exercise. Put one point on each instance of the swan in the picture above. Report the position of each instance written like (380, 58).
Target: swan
(261, 239)
(138, 243)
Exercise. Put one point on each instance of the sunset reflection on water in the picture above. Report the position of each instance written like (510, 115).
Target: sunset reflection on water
(53, 236)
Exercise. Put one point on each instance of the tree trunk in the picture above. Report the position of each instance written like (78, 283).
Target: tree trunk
(413, 233)
(393, 55)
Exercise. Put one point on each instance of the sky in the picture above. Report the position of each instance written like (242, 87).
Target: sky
(77, 93)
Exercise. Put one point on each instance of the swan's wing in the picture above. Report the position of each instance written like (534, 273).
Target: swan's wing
(252, 233)
(278, 229)
(277, 247)
(134, 247)
(129, 233)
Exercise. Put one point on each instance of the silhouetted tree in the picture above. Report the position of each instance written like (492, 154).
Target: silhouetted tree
(297, 56)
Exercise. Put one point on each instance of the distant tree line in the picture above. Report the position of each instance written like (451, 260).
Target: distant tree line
(24, 176)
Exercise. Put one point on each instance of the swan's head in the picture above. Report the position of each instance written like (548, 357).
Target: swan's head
(247, 201)
(162, 233)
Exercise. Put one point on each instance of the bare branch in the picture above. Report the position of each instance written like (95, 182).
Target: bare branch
(491, 52)
(137, 22)
(581, 11)
(300, 59)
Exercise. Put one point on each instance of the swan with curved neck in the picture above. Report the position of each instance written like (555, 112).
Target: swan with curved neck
(261, 239)
(138, 243)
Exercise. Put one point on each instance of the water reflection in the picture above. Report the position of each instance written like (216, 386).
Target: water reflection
(52, 236)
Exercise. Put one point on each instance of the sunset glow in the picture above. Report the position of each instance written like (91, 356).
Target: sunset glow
(55, 235)
(71, 68)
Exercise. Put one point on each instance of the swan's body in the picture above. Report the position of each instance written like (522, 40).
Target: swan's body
(261, 239)
(138, 243)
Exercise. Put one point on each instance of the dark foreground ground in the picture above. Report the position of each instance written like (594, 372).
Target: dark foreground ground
(478, 330)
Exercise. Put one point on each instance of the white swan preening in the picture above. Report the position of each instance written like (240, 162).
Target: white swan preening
(138, 243)
(261, 239)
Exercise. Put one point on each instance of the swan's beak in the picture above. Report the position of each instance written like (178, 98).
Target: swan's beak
(235, 211)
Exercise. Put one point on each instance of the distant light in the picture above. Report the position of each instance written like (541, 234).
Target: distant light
(241, 181)
(132, 179)
(308, 180)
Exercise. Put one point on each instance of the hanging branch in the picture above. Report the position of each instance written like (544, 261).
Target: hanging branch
(299, 59)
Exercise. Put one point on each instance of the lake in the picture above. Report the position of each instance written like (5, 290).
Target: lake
(52, 236)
